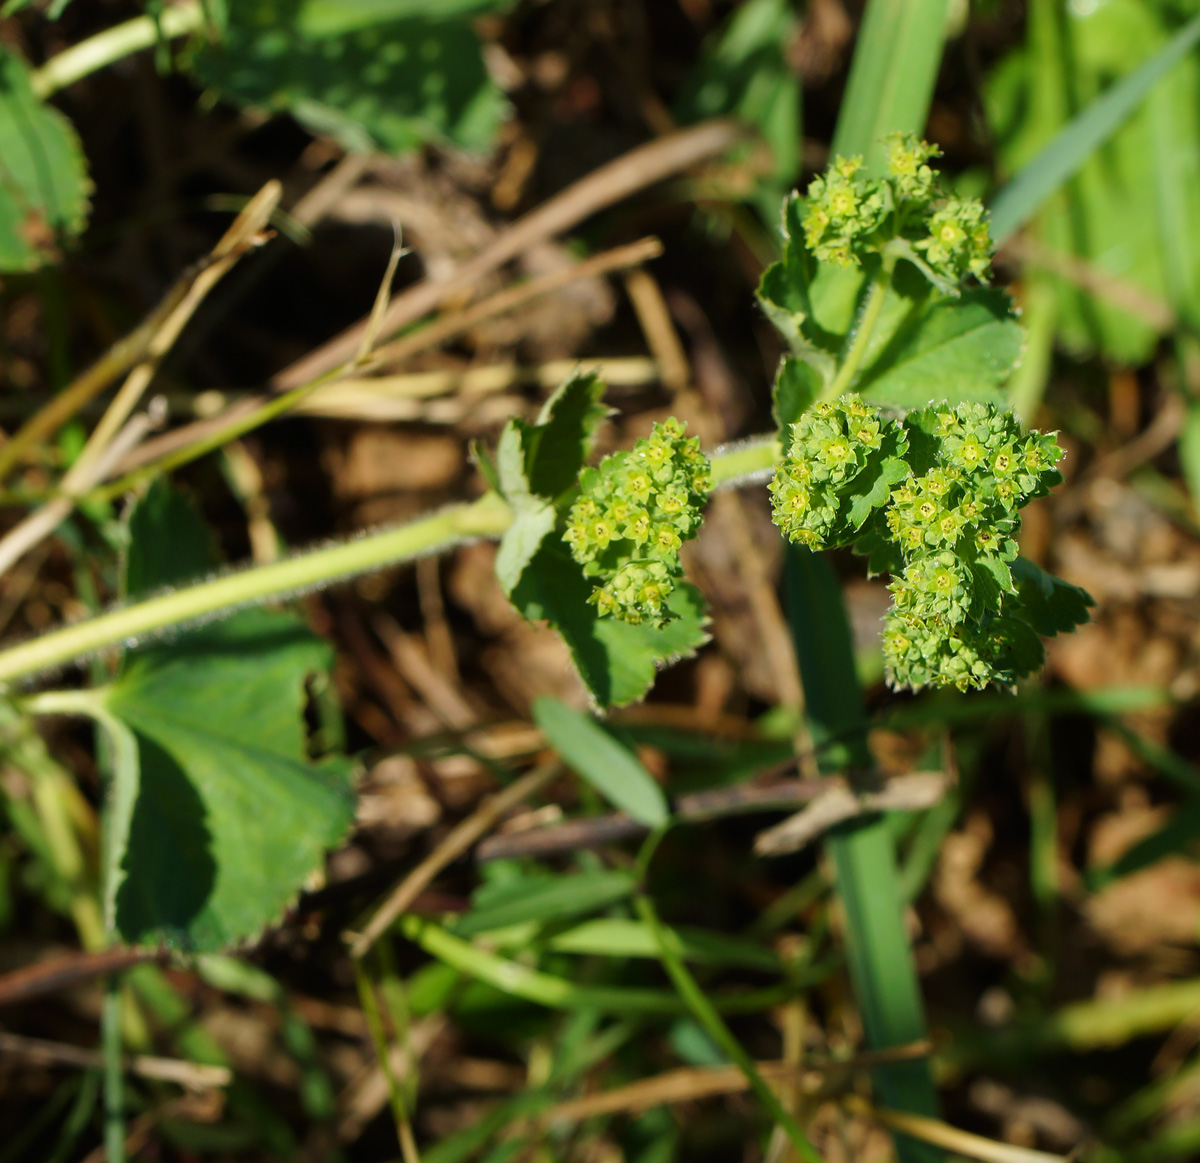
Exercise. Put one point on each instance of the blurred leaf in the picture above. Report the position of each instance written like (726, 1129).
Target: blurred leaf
(44, 185)
(1052, 605)
(610, 767)
(954, 349)
(1080, 139)
(1132, 209)
(231, 817)
(892, 75)
(623, 937)
(616, 661)
(543, 899)
(1180, 834)
(388, 73)
(744, 71)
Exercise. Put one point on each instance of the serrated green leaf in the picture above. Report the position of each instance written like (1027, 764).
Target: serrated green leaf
(617, 661)
(532, 520)
(609, 766)
(231, 816)
(151, 560)
(743, 70)
(784, 295)
(389, 73)
(797, 385)
(44, 185)
(562, 438)
(1053, 606)
(536, 464)
(954, 349)
(543, 900)
(876, 485)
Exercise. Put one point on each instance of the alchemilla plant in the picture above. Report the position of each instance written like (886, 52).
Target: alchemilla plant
(850, 215)
(935, 498)
(633, 514)
(895, 440)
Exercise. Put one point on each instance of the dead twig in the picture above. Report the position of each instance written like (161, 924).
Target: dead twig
(639, 168)
(460, 839)
(951, 1138)
(692, 1083)
(113, 437)
(596, 831)
(69, 971)
(242, 413)
(908, 793)
(39, 1052)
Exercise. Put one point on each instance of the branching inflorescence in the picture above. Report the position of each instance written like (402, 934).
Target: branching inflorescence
(850, 215)
(931, 494)
(935, 499)
(633, 513)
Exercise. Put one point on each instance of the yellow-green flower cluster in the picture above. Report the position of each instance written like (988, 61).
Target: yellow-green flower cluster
(953, 614)
(958, 242)
(845, 209)
(850, 215)
(944, 525)
(831, 447)
(633, 513)
(913, 179)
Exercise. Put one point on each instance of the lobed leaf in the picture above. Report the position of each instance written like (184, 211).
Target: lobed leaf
(536, 464)
(44, 185)
(392, 74)
(616, 661)
(961, 350)
(784, 295)
(230, 816)
(1053, 606)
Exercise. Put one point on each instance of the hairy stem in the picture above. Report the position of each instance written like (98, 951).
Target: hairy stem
(114, 44)
(487, 517)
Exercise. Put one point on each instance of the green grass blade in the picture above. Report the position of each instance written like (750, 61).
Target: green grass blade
(892, 76)
(671, 954)
(593, 754)
(881, 966)
(545, 989)
(1064, 155)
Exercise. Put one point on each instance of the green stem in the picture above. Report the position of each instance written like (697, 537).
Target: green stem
(867, 319)
(669, 946)
(867, 881)
(114, 44)
(487, 517)
(374, 1020)
(114, 1073)
(517, 980)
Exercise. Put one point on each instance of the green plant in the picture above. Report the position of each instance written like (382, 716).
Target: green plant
(893, 439)
(390, 76)
(595, 551)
